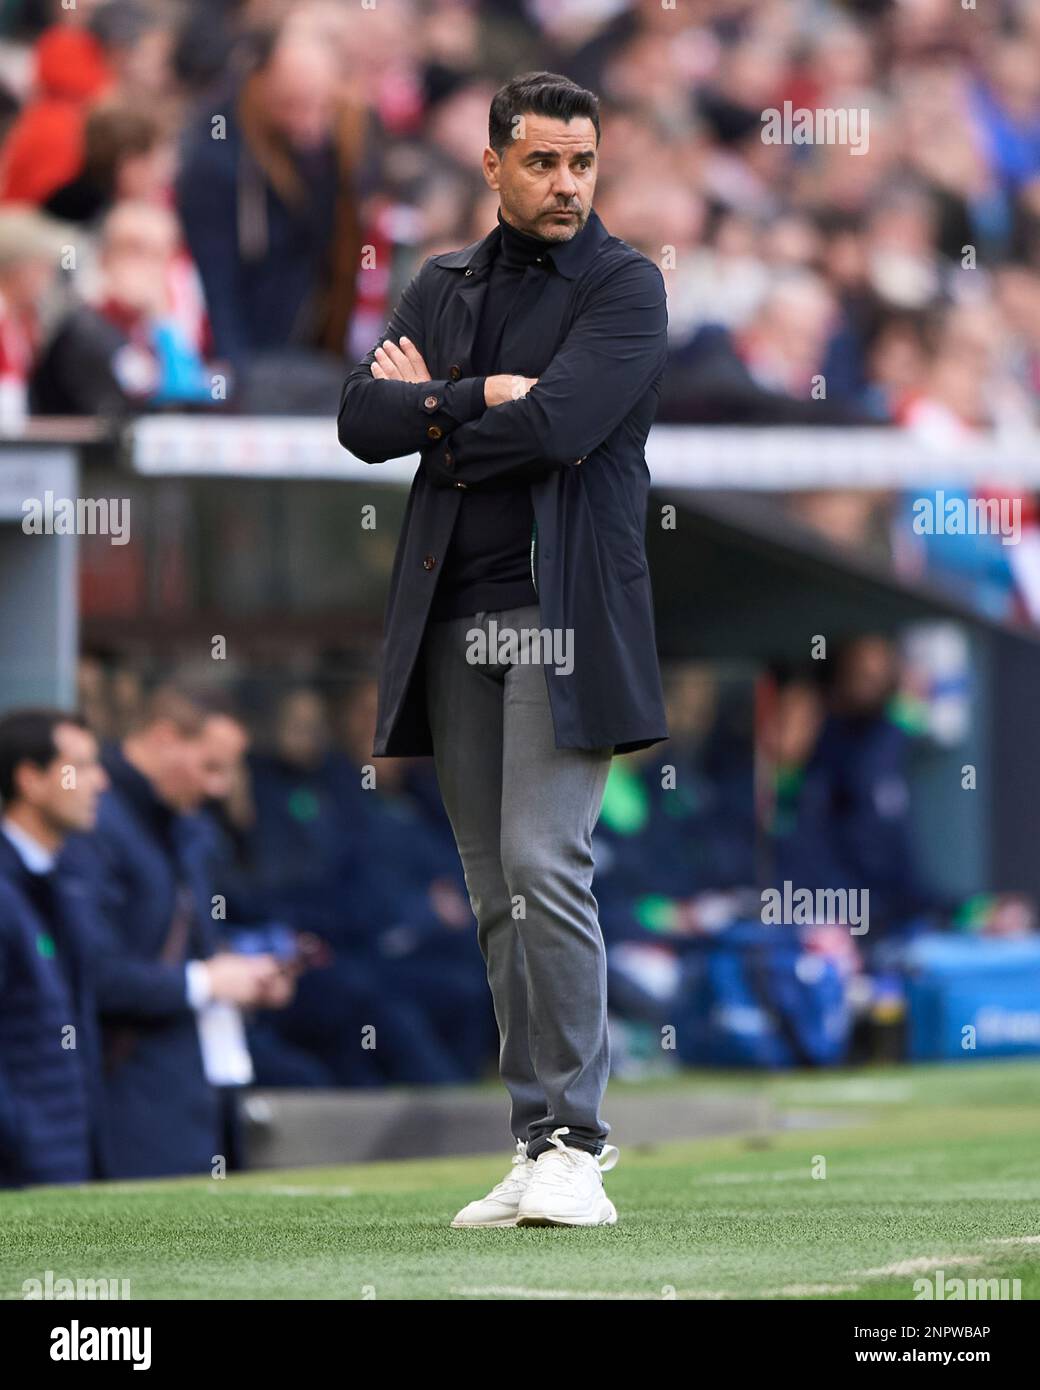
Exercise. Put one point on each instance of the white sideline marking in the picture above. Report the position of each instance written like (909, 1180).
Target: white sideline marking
(289, 1191)
(219, 1185)
(800, 1175)
(519, 1291)
(806, 1290)
(1013, 1240)
(919, 1264)
(854, 1091)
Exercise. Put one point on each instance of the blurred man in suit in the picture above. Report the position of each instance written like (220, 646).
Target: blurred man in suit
(50, 1071)
(170, 1049)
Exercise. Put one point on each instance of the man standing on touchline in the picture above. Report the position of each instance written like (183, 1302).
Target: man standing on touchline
(525, 369)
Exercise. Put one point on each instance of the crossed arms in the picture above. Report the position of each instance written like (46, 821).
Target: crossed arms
(614, 351)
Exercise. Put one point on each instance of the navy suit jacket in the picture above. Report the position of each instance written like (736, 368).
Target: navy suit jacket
(162, 1112)
(51, 1123)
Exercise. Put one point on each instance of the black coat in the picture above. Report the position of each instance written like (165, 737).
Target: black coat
(594, 331)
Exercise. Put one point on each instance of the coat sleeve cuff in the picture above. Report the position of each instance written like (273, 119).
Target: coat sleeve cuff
(447, 404)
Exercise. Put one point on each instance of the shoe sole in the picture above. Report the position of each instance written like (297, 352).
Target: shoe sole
(467, 1225)
(535, 1219)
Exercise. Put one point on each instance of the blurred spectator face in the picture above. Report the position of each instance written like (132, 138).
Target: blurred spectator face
(800, 715)
(791, 242)
(299, 93)
(692, 702)
(301, 734)
(976, 332)
(901, 252)
(368, 43)
(898, 359)
(735, 237)
(546, 177)
(65, 793)
(25, 282)
(954, 383)
(457, 124)
(1015, 76)
(646, 73)
(138, 243)
(30, 250)
(146, 177)
(867, 676)
(1018, 294)
(189, 769)
(790, 331)
(752, 73)
(845, 260)
(791, 736)
(842, 58)
(143, 66)
(223, 746)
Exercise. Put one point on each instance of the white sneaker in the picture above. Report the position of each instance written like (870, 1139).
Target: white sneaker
(566, 1188)
(500, 1206)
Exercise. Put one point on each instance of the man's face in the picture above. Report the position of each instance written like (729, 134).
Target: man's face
(224, 744)
(546, 176)
(135, 258)
(302, 733)
(65, 792)
(299, 95)
(194, 769)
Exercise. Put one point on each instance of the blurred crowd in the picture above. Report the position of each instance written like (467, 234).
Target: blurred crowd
(214, 892)
(246, 185)
(213, 205)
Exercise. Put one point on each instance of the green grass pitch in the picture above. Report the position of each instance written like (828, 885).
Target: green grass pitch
(927, 1168)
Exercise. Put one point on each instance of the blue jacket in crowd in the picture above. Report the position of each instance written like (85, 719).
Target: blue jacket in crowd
(51, 1128)
(141, 862)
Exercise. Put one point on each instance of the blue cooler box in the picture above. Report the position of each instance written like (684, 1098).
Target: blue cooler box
(955, 982)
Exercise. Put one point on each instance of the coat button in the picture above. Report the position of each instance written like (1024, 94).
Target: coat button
(430, 402)
(455, 373)
(429, 562)
(469, 272)
(462, 484)
(434, 432)
(449, 459)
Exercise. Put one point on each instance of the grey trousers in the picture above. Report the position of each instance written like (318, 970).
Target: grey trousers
(523, 812)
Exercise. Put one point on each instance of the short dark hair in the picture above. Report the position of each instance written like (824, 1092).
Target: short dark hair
(538, 94)
(115, 132)
(27, 736)
(185, 703)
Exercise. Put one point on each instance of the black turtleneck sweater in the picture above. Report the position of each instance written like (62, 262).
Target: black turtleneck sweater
(488, 562)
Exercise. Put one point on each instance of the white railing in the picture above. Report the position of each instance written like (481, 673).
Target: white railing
(694, 456)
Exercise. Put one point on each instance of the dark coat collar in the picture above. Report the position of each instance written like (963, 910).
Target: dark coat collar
(139, 792)
(569, 259)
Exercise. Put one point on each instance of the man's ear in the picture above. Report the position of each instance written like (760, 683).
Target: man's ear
(26, 777)
(491, 166)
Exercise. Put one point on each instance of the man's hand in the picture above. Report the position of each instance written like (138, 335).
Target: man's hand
(242, 980)
(278, 992)
(499, 390)
(404, 363)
